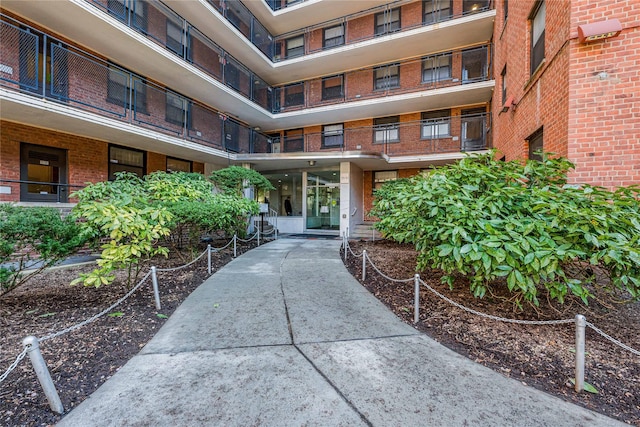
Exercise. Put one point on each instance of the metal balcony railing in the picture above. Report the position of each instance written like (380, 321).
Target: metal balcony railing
(79, 79)
(431, 72)
(468, 132)
(37, 64)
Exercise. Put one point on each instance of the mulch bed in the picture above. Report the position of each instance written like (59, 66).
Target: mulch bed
(81, 360)
(538, 356)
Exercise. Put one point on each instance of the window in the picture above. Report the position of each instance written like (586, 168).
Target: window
(380, 177)
(387, 21)
(386, 76)
(474, 129)
(178, 165)
(332, 135)
(295, 46)
(43, 168)
(535, 144)
(118, 90)
(537, 35)
(123, 159)
(386, 129)
(474, 6)
(436, 124)
(174, 37)
(134, 13)
(333, 36)
(293, 140)
(436, 68)
(332, 87)
(474, 65)
(176, 108)
(294, 94)
(503, 76)
(435, 11)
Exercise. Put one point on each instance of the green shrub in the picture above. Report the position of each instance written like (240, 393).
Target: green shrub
(488, 219)
(235, 178)
(30, 234)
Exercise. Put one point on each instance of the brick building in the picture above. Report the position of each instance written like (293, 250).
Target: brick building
(327, 102)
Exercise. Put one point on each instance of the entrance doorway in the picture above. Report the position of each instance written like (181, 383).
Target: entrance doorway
(43, 168)
(323, 201)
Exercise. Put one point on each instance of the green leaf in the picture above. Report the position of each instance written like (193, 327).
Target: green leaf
(116, 314)
(162, 316)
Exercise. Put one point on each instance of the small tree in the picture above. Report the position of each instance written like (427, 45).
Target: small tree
(488, 219)
(33, 238)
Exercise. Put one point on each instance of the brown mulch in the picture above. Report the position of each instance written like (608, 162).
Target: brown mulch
(81, 360)
(538, 356)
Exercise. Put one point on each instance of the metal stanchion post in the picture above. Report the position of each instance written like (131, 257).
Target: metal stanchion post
(235, 246)
(40, 367)
(581, 324)
(416, 298)
(259, 237)
(154, 281)
(209, 259)
(364, 265)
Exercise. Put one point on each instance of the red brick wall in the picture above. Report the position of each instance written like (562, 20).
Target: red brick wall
(591, 118)
(86, 158)
(604, 106)
(542, 98)
(367, 188)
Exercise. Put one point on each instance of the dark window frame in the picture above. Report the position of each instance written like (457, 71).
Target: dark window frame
(174, 45)
(179, 160)
(481, 52)
(536, 142)
(387, 26)
(537, 47)
(294, 98)
(436, 15)
(387, 80)
(503, 80)
(143, 168)
(386, 126)
(295, 51)
(330, 92)
(435, 68)
(335, 41)
(115, 87)
(375, 184)
(331, 135)
(171, 107)
(434, 120)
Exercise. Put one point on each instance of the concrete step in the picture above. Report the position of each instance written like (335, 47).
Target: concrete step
(364, 231)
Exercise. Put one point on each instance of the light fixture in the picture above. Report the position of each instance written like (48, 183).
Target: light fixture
(599, 30)
(312, 162)
(508, 104)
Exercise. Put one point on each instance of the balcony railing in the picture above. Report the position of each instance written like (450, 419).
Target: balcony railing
(76, 78)
(466, 133)
(359, 27)
(432, 72)
(281, 4)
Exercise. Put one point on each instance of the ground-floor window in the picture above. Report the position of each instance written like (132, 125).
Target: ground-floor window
(535, 145)
(380, 177)
(178, 165)
(42, 169)
(122, 159)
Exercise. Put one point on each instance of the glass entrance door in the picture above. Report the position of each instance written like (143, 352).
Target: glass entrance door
(323, 201)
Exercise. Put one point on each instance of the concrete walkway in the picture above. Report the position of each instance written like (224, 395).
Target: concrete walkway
(284, 336)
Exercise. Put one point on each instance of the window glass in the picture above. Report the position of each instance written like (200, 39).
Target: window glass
(332, 135)
(387, 76)
(175, 108)
(436, 124)
(174, 37)
(474, 65)
(293, 140)
(537, 36)
(295, 46)
(333, 36)
(332, 87)
(436, 68)
(436, 10)
(387, 21)
(294, 94)
(123, 159)
(387, 129)
(535, 144)
(380, 177)
(178, 165)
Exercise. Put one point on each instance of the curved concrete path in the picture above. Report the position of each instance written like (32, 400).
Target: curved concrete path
(284, 336)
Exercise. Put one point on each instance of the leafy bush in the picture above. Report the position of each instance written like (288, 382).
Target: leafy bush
(33, 238)
(235, 178)
(488, 219)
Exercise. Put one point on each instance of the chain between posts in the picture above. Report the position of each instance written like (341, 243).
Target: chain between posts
(14, 365)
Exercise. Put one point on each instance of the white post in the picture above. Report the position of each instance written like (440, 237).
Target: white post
(364, 265)
(258, 237)
(154, 281)
(40, 367)
(209, 259)
(235, 249)
(581, 323)
(416, 298)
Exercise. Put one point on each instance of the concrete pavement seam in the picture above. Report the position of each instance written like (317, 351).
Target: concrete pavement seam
(358, 339)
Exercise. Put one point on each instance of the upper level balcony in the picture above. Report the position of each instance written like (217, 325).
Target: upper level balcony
(45, 83)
